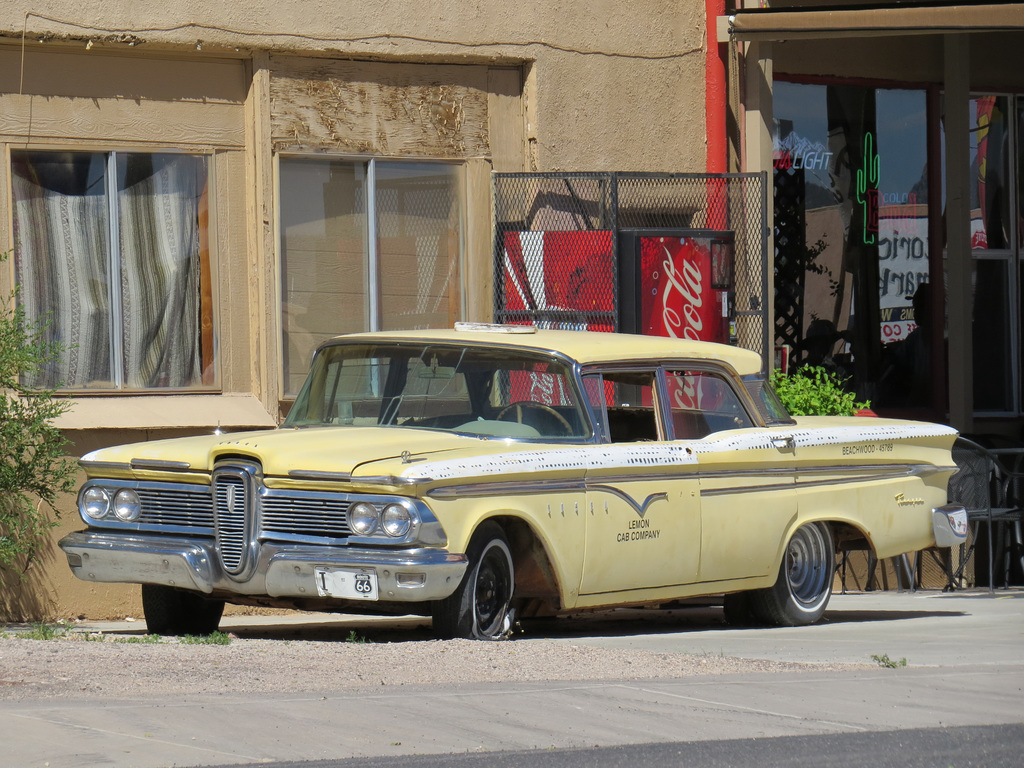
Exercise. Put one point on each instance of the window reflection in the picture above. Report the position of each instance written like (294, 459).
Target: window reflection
(852, 250)
(351, 264)
(990, 200)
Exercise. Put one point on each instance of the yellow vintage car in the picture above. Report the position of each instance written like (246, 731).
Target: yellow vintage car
(489, 472)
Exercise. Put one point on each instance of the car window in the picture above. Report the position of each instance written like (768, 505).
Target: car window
(702, 402)
(625, 404)
(771, 408)
(487, 392)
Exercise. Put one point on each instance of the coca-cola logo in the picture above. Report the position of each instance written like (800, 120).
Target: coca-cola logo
(687, 320)
(687, 281)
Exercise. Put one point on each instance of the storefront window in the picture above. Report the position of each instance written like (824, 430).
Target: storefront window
(990, 173)
(852, 253)
(365, 245)
(991, 243)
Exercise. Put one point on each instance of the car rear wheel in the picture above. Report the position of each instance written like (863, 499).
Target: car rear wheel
(805, 578)
(480, 609)
(171, 611)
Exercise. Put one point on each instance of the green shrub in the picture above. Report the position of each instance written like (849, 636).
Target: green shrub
(214, 638)
(815, 391)
(34, 469)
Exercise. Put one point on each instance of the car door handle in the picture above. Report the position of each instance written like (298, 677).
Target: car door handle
(784, 442)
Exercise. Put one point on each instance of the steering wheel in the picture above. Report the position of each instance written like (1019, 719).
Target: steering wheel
(521, 406)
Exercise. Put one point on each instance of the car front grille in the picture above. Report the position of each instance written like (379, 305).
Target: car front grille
(304, 514)
(237, 510)
(232, 503)
(177, 506)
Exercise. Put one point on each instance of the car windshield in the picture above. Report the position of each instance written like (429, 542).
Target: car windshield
(474, 390)
(768, 403)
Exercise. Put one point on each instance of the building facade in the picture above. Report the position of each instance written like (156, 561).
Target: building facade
(195, 195)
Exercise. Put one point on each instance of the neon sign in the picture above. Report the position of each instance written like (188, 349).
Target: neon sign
(867, 190)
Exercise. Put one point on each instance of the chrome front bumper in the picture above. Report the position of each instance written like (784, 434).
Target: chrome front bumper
(282, 570)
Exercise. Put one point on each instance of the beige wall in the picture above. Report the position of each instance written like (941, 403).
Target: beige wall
(612, 86)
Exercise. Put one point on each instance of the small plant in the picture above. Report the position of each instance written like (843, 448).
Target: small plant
(44, 631)
(354, 638)
(133, 639)
(815, 391)
(214, 638)
(885, 661)
(34, 469)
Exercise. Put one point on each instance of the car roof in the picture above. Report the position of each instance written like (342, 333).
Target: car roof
(586, 347)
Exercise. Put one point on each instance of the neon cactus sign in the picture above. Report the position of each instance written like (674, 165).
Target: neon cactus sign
(867, 190)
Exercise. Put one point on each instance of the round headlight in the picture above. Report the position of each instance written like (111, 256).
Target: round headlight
(396, 520)
(363, 518)
(95, 502)
(127, 506)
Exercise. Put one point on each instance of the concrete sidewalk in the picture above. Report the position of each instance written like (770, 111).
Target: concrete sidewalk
(965, 657)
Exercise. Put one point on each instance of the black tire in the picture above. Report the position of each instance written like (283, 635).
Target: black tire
(480, 608)
(171, 611)
(804, 586)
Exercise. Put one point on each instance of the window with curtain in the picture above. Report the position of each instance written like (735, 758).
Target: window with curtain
(111, 251)
(365, 245)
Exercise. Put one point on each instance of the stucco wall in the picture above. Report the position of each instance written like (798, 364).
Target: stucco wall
(613, 86)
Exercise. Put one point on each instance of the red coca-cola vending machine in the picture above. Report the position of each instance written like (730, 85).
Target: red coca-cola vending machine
(678, 283)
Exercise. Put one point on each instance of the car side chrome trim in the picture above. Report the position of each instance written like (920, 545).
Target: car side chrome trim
(860, 474)
(160, 465)
(313, 474)
(478, 490)
(391, 480)
(867, 474)
(100, 465)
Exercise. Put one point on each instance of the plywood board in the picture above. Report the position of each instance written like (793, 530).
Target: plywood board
(506, 121)
(379, 108)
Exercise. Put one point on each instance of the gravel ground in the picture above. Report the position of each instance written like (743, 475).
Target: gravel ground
(83, 665)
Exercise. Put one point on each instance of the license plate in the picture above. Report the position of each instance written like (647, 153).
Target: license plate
(351, 583)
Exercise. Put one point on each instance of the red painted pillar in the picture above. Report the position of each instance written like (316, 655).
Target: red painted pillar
(715, 105)
(715, 94)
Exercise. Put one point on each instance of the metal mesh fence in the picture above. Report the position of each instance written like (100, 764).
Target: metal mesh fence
(558, 252)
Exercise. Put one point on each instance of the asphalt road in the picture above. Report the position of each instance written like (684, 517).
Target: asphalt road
(959, 701)
(989, 746)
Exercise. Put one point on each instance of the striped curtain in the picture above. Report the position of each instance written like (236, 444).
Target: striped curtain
(62, 232)
(62, 262)
(158, 203)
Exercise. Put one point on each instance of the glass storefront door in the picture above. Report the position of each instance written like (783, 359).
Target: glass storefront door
(853, 259)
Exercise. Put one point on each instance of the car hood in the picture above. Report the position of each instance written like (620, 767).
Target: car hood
(355, 451)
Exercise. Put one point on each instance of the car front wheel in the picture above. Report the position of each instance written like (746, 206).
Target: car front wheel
(172, 611)
(480, 609)
(805, 578)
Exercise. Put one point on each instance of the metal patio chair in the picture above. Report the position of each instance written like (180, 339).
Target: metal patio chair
(991, 494)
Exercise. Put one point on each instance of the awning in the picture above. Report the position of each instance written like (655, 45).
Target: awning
(932, 19)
